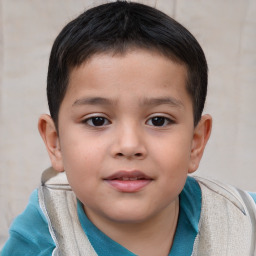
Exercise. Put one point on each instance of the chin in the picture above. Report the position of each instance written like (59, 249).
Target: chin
(128, 219)
(128, 216)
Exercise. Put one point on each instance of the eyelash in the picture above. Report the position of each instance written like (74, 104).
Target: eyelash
(100, 121)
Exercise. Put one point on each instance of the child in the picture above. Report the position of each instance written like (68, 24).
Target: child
(126, 89)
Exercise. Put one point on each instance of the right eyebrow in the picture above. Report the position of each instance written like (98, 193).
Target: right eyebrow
(92, 101)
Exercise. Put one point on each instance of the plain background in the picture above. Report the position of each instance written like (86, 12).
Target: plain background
(226, 29)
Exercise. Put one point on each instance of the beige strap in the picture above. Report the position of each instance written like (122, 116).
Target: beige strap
(225, 226)
(250, 204)
(59, 204)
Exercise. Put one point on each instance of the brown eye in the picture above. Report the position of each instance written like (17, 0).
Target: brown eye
(97, 121)
(159, 121)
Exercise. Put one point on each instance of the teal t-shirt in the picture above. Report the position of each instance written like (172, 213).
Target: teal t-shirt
(29, 234)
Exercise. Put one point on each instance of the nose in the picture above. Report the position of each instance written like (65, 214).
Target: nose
(129, 143)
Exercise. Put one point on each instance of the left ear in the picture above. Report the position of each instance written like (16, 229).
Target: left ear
(201, 135)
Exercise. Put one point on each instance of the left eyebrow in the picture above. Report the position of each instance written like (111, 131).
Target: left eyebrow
(162, 101)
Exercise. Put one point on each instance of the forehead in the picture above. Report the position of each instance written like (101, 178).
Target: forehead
(134, 73)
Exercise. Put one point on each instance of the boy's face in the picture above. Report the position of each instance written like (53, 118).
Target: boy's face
(126, 135)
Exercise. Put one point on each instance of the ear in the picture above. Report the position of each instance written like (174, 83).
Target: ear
(50, 137)
(201, 135)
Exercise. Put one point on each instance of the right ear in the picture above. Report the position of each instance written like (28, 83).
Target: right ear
(50, 137)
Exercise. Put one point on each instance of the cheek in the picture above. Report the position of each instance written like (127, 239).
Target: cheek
(173, 154)
(81, 163)
(79, 149)
(83, 173)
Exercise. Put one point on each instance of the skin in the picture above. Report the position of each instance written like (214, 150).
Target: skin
(133, 89)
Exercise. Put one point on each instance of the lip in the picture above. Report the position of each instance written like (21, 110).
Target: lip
(128, 181)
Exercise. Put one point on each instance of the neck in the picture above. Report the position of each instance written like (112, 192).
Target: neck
(148, 238)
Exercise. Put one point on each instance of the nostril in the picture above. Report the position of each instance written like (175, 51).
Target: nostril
(129, 155)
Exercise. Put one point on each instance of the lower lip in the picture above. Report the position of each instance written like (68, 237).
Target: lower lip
(128, 186)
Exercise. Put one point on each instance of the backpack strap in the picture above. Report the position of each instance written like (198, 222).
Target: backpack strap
(227, 221)
(59, 204)
(250, 204)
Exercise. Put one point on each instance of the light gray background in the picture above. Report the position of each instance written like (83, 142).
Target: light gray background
(227, 32)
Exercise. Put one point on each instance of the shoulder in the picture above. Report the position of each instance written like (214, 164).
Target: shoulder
(226, 212)
(224, 189)
(29, 234)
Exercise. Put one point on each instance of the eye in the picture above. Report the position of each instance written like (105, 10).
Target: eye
(97, 121)
(159, 121)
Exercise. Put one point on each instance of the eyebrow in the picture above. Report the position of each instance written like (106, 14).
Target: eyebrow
(92, 101)
(162, 101)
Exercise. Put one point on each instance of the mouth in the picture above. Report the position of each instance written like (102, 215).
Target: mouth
(128, 181)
